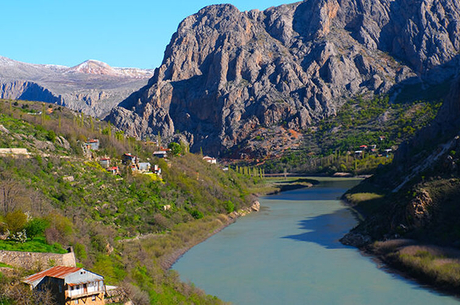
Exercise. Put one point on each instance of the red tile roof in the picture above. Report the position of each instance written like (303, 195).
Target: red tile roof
(57, 272)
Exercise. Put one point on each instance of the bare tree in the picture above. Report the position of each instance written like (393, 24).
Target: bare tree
(10, 194)
(20, 294)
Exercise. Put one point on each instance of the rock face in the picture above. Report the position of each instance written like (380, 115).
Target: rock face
(228, 73)
(92, 87)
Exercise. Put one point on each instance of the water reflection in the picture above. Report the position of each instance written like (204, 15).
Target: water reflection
(324, 230)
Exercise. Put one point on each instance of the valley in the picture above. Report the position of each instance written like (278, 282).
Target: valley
(128, 169)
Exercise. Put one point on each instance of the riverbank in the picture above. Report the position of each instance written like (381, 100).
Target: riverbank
(432, 266)
(290, 184)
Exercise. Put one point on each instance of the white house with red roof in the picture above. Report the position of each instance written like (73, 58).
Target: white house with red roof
(210, 159)
(70, 285)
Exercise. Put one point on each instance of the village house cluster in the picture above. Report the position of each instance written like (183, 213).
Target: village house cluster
(373, 149)
(127, 159)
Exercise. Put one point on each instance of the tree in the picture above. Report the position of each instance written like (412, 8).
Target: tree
(10, 194)
(176, 149)
(16, 220)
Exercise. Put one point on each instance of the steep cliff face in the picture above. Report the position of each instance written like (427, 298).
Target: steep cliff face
(226, 73)
(92, 87)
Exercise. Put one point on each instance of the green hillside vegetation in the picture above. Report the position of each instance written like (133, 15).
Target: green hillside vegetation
(330, 147)
(128, 227)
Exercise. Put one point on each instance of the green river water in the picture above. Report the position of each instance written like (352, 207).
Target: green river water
(289, 253)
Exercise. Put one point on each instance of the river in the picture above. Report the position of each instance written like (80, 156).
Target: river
(289, 253)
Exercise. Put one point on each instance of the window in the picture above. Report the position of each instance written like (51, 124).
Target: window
(76, 301)
(93, 298)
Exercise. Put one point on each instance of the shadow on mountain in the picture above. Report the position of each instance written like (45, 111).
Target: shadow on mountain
(35, 92)
(325, 230)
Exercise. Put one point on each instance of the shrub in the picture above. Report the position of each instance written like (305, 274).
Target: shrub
(36, 227)
(16, 221)
(196, 214)
(229, 206)
(61, 223)
(80, 251)
(51, 136)
(52, 235)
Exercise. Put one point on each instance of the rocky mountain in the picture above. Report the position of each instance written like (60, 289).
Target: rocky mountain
(92, 87)
(227, 74)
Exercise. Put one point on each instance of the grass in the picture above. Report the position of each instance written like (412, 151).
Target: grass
(358, 198)
(3, 265)
(37, 244)
(432, 265)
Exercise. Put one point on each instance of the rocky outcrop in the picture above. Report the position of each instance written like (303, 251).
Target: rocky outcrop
(92, 87)
(356, 240)
(255, 206)
(228, 73)
(418, 210)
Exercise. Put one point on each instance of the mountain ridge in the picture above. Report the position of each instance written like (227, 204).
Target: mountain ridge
(92, 87)
(226, 73)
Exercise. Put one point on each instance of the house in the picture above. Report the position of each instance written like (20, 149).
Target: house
(129, 159)
(388, 151)
(70, 285)
(114, 170)
(157, 169)
(144, 166)
(105, 162)
(210, 159)
(160, 154)
(92, 144)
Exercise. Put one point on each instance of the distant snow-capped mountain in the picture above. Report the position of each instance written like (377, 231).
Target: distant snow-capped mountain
(101, 68)
(92, 87)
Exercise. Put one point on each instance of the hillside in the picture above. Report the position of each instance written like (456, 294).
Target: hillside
(128, 227)
(92, 87)
(227, 75)
(411, 206)
(362, 137)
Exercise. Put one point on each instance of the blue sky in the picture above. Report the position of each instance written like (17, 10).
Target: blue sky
(128, 33)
